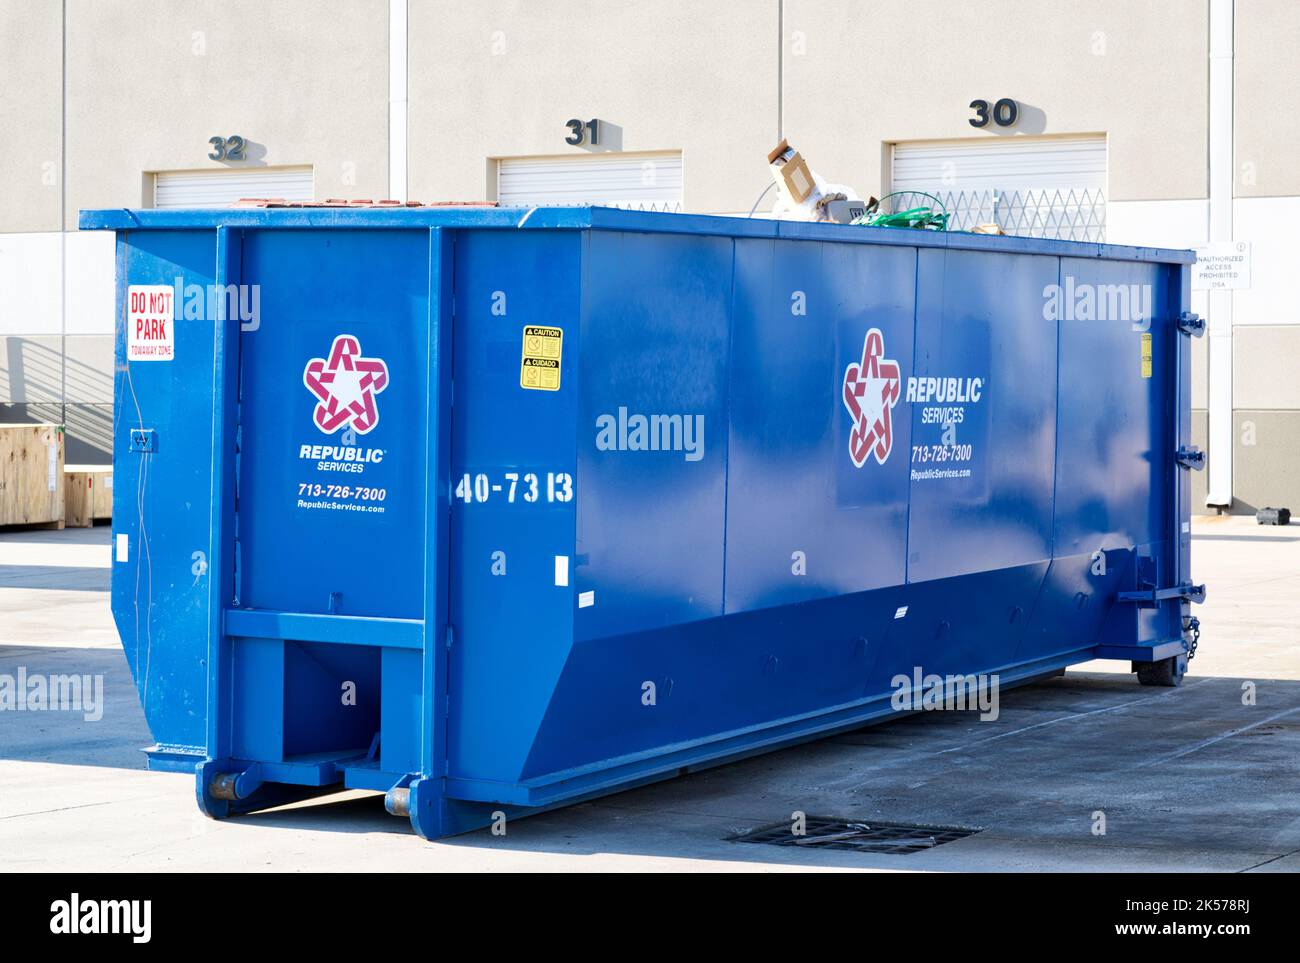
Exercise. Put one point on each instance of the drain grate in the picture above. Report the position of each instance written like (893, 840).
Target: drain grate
(857, 835)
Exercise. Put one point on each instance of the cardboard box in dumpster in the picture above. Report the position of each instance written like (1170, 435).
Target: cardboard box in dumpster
(791, 171)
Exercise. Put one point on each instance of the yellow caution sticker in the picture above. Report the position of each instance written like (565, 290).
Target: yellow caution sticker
(1146, 355)
(540, 368)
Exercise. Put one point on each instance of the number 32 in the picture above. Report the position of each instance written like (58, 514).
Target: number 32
(226, 148)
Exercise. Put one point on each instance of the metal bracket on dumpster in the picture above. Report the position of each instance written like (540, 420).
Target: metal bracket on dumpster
(1192, 324)
(143, 440)
(1148, 594)
(1153, 595)
(1189, 456)
(234, 786)
(398, 799)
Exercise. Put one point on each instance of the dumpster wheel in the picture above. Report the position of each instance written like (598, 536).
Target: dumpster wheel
(1167, 672)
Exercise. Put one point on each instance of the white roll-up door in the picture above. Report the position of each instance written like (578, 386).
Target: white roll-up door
(221, 188)
(1033, 186)
(650, 181)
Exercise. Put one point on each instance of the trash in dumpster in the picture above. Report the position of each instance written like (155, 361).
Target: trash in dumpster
(791, 172)
(911, 209)
(801, 194)
(659, 528)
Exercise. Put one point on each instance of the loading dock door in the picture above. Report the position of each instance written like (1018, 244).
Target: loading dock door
(649, 181)
(1032, 186)
(221, 188)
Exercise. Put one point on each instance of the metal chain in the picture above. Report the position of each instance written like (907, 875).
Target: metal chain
(1192, 625)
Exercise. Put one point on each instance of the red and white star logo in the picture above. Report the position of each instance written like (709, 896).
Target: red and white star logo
(871, 390)
(345, 386)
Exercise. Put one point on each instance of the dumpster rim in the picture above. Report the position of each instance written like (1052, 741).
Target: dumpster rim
(591, 217)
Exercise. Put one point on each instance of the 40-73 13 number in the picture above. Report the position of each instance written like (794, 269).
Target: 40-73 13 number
(515, 486)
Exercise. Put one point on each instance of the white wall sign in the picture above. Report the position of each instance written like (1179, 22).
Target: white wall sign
(149, 317)
(1222, 266)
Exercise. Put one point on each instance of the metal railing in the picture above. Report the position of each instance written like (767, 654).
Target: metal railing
(1070, 215)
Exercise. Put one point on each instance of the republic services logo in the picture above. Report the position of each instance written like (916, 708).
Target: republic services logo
(871, 389)
(345, 386)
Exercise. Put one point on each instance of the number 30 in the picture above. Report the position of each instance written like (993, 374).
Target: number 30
(1004, 113)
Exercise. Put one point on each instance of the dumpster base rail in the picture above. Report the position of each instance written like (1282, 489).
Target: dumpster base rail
(438, 807)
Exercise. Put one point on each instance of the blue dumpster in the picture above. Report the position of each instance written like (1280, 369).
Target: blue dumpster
(494, 510)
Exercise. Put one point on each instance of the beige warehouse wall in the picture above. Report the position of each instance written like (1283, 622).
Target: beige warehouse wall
(1265, 466)
(1264, 361)
(149, 81)
(861, 73)
(307, 83)
(673, 74)
(31, 57)
(1266, 101)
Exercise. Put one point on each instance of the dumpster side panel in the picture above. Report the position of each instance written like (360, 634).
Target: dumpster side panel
(515, 484)
(651, 522)
(330, 479)
(989, 360)
(803, 521)
(982, 533)
(803, 524)
(331, 500)
(1116, 468)
(983, 405)
(160, 497)
(652, 431)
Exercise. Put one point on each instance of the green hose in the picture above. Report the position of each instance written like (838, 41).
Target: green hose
(925, 217)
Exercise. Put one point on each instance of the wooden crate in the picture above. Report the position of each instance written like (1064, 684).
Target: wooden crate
(88, 490)
(31, 475)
